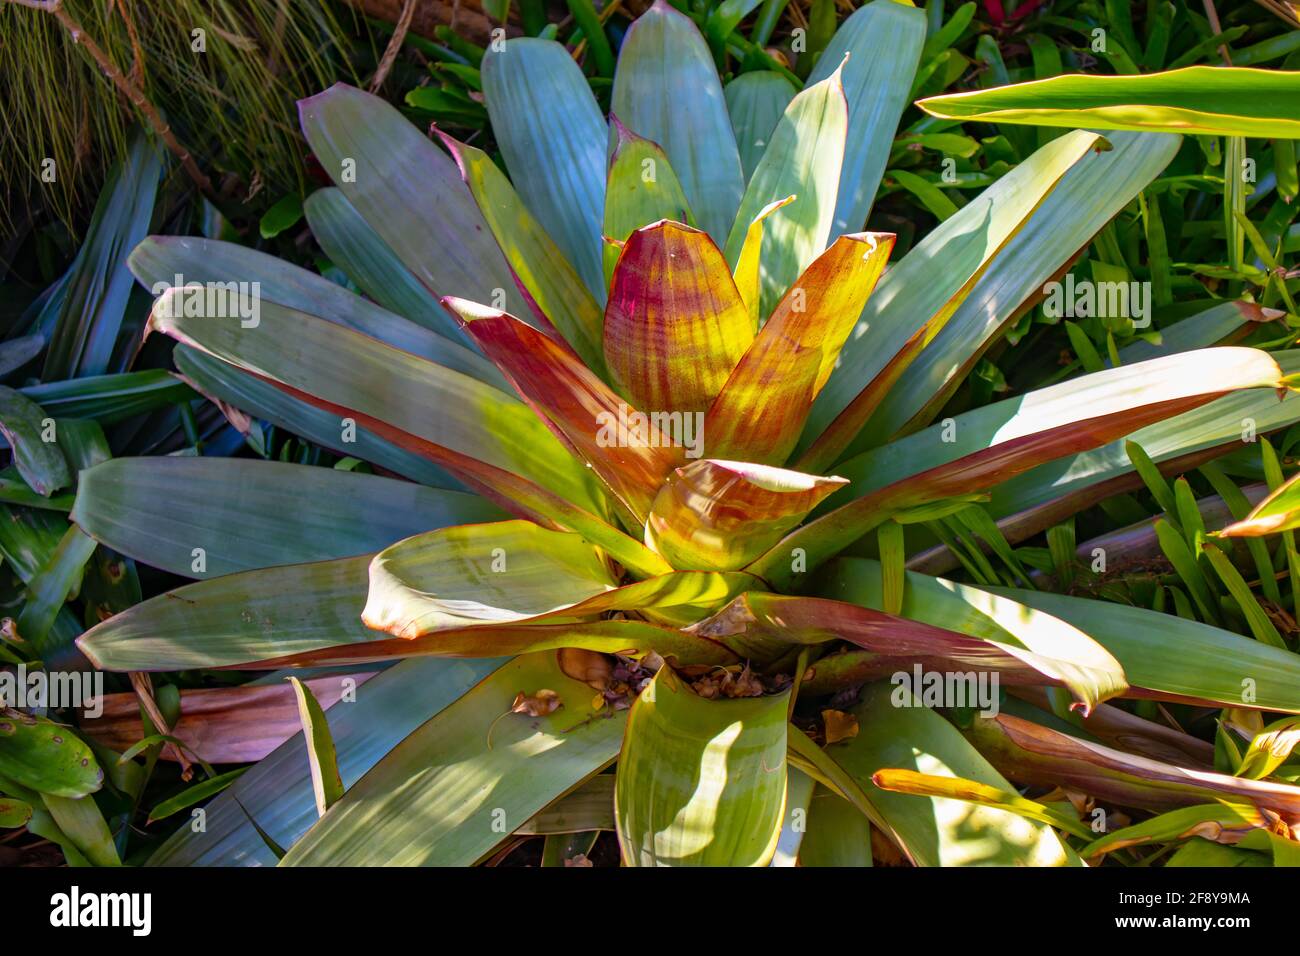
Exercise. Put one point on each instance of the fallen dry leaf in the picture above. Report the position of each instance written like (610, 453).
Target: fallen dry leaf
(537, 705)
(590, 667)
(839, 726)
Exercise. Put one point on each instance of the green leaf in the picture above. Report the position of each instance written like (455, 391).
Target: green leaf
(285, 214)
(1256, 618)
(1202, 853)
(755, 103)
(83, 824)
(160, 261)
(409, 191)
(917, 297)
(1222, 424)
(515, 572)
(24, 425)
(223, 382)
(803, 157)
(1280, 511)
(642, 189)
(46, 757)
(444, 797)
(927, 193)
(14, 813)
(939, 831)
(191, 795)
(97, 286)
(536, 262)
(700, 782)
(970, 452)
(277, 793)
(883, 40)
(325, 780)
(110, 398)
(57, 581)
(1216, 101)
(1222, 819)
(242, 514)
(236, 619)
(838, 833)
(351, 374)
(553, 138)
(664, 64)
(1051, 645)
(1270, 748)
(1178, 657)
(354, 246)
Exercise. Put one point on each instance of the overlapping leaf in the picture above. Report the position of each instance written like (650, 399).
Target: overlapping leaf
(720, 515)
(700, 782)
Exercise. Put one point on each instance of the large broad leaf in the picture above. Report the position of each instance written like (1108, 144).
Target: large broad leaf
(25, 427)
(276, 795)
(485, 574)
(1034, 755)
(663, 65)
(97, 286)
(110, 398)
(221, 725)
(1220, 324)
(1089, 195)
(918, 296)
(514, 572)
(553, 137)
(448, 793)
(938, 831)
(1051, 645)
(163, 261)
(239, 393)
(630, 638)
(998, 441)
(1180, 658)
(552, 285)
(720, 515)
(764, 627)
(641, 189)
(761, 410)
(755, 102)
(883, 40)
(354, 246)
(675, 324)
(700, 782)
(236, 619)
(582, 411)
(1217, 101)
(837, 833)
(804, 159)
(1044, 495)
(203, 517)
(409, 191)
(485, 437)
(39, 754)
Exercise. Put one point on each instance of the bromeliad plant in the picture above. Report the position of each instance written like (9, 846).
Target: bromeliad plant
(612, 586)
